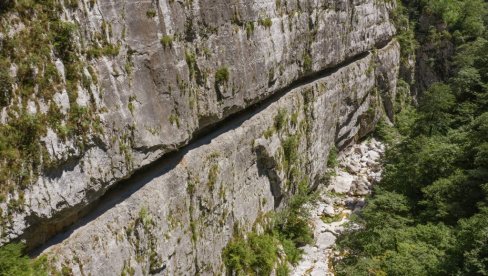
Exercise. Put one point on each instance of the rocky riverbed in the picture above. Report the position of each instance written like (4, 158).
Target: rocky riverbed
(359, 168)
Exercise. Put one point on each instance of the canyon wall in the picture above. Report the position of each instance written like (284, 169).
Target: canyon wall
(156, 76)
(192, 203)
(172, 125)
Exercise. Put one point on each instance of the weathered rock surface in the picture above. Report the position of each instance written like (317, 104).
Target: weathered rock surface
(336, 203)
(185, 65)
(188, 207)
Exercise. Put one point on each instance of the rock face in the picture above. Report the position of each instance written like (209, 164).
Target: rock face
(182, 66)
(188, 207)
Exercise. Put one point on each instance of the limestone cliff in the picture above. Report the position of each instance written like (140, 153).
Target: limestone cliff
(189, 205)
(161, 126)
(152, 75)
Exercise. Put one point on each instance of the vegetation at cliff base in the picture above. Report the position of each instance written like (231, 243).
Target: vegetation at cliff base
(276, 245)
(429, 214)
(13, 262)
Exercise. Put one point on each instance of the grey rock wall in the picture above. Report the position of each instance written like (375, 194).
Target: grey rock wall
(179, 221)
(153, 97)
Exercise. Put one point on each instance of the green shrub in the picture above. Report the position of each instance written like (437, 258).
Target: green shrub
(151, 13)
(293, 253)
(174, 119)
(249, 29)
(14, 262)
(222, 75)
(269, 132)
(292, 223)
(145, 218)
(307, 62)
(332, 161)
(290, 148)
(281, 119)
(63, 40)
(265, 252)
(259, 253)
(106, 50)
(282, 270)
(130, 104)
(386, 132)
(191, 61)
(406, 34)
(238, 256)
(167, 41)
(266, 22)
(213, 173)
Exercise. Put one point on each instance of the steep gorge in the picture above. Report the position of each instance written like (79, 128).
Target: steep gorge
(226, 107)
(235, 178)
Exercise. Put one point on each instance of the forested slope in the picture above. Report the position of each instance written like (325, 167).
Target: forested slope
(429, 214)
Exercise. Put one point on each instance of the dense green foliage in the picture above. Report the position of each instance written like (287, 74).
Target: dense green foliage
(429, 214)
(462, 16)
(13, 262)
(258, 254)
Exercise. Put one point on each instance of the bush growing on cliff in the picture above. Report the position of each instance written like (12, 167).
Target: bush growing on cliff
(332, 161)
(167, 41)
(405, 33)
(281, 119)
(222, 75)
(259, 254)
(249, 29)
(307, 62)
(238, 256)
(265, 251)
(14, 262)
(63, 40)
(151, 13)
(266, 22)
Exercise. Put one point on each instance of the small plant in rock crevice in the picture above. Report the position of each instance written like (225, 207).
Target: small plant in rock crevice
(222, 75)
(332, 161)
(266, 22)
(167, 41)
(151, 13)
(221, 79)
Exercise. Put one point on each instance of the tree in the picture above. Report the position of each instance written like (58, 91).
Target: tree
(472, 245)
(434, 109)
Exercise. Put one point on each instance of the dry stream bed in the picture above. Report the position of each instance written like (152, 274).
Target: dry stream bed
(359, 168)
